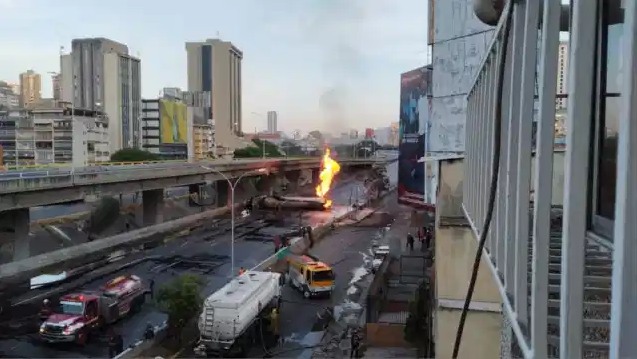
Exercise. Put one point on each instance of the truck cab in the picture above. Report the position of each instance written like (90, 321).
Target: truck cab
(79, 314)
(76, 316)
(310, 276)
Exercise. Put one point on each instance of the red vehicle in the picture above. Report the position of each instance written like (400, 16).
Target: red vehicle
(80, 314)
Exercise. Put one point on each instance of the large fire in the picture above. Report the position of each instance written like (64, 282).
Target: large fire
(329, 169)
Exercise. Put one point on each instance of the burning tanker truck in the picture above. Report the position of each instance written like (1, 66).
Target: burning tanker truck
(329, 169)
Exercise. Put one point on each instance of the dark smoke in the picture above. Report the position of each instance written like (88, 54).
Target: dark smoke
(336, 26)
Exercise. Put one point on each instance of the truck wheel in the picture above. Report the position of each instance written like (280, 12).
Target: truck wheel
(306, 294)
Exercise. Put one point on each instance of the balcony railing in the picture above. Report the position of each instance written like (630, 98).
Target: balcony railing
(565, 295)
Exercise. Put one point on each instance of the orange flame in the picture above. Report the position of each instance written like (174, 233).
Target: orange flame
(329, 169)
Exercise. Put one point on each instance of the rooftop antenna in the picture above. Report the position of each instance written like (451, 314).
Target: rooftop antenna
(218, 36)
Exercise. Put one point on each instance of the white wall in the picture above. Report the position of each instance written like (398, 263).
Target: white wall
(460, 43)
(112, 101)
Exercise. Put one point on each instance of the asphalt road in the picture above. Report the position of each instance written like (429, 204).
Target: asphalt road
(211, 250)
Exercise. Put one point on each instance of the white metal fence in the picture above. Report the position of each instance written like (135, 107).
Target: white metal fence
(555, 283)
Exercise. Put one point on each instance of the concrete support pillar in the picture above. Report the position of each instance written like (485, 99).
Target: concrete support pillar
(315, 176)
(15, 243)
(293, 179)
(223, 193)
(153, 206)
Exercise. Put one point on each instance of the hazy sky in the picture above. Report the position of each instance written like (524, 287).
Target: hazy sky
(322, 64)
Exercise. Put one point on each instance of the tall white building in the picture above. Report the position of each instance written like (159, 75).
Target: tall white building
(562, 70)
(99, 74)
(123, 99)
(214, 66)
(272, 122)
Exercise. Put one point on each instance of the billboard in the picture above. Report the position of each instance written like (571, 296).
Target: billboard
(414, 109)
(369, 133)
(173, 126)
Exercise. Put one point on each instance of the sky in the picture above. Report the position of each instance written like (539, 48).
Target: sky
(329, 65)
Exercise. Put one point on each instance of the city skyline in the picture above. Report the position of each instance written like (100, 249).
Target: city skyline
(307, 59)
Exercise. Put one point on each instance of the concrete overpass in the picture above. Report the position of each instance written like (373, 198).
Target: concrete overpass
(17, 195)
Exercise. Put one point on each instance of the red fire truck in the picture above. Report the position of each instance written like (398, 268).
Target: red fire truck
(80, 314)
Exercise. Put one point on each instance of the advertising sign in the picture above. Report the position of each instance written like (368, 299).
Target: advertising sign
(173, 122)
(414, 90)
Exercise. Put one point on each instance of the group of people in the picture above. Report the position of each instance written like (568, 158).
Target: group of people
(425, 236)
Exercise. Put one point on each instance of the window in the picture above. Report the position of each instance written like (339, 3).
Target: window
(611, 71)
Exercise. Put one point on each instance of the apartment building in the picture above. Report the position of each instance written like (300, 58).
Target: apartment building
(53, 136)
(215, 66)
(56, 82)
(202, 141)
(8, 96)
(30, 88)
(562, 70)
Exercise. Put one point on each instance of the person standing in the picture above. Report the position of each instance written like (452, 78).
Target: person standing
(410, 242)
(277, 244)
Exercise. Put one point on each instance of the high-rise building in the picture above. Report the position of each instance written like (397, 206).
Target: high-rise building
(30, 88)
(272, 122)
(56, 81)
(122, 98)
(87, 70)
(99, 74)
(215, 66)
(562, 70)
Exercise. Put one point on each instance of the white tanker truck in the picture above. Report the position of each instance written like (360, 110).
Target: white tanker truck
(237, 316)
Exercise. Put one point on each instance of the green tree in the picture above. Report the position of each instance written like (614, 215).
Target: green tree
(271, 150)
(181, 300)
(416, 330)
(133, 155)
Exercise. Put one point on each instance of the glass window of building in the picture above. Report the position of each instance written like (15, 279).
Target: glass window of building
(611, 72)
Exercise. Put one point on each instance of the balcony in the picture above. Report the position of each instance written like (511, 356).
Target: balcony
(564, 288)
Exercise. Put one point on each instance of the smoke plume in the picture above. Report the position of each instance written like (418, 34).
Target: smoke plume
(335, 26)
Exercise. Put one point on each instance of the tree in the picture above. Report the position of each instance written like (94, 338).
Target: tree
(271, 150)
(133, 155)
(181, 300)
(416, 330)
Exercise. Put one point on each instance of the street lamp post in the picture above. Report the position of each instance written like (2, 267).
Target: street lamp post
(232, 186)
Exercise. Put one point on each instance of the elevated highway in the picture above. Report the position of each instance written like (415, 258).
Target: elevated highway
(17, 195)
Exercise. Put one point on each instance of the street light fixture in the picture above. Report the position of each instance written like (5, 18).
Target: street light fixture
(232, 186)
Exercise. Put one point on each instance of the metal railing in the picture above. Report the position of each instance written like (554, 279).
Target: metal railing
(555, 282)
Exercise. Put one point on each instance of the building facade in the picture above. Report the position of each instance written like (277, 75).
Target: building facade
(56, 82)
(122, 99)
(272, 121)
(53, 136)
(215, 66)
(86, 71)
(562, 70)
(30, 88)
(8, 97)
(156, 120)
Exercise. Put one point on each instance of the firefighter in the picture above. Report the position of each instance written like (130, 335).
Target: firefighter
(115, 344)
(45, 311)
(410, 242)
(274, 325)
(242, 270)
